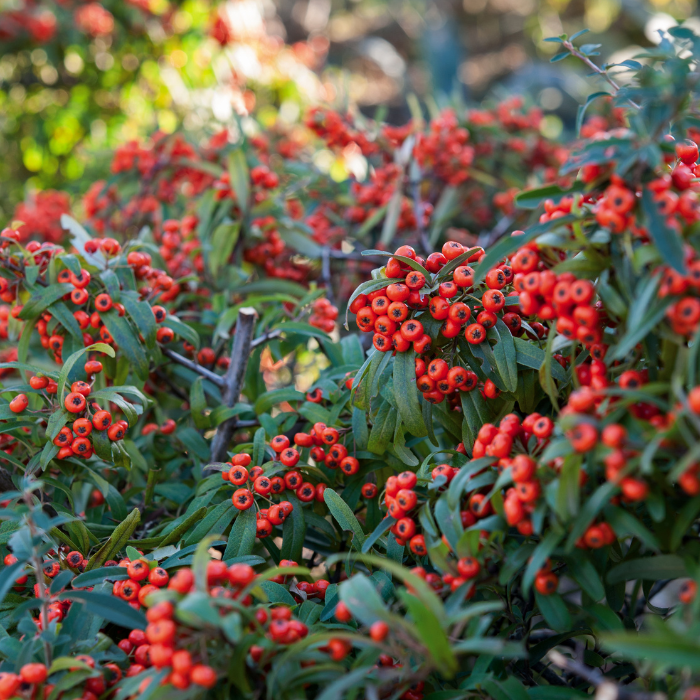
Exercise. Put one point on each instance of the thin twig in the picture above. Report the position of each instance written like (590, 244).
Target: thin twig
(605, 688)
(194, 366)
(233, 381)
(269, 335)
(21, 271)
(599, 71)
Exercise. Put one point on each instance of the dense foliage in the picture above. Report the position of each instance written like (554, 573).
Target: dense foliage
(491, 490)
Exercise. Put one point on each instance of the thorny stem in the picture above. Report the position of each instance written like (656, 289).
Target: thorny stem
(599, 71)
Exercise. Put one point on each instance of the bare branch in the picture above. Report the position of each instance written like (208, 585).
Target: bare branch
(605, 688)
(598, 71)
(194, 366)
(233, 381)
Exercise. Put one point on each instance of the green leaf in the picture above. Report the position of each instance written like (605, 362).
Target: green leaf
(70, 363)
(584, 573)
(661, 650)
(600, 498)
(275, 397)
(418, 585)
(528, 354)
(666, 239)
(344, 516)
(92, 578)
(8, 576)
(391, 220)
(242, 538)
(108, 607)
(624, 523)
(293, 531)
(301, 328)
(259, 446)
(301, 242)
(182, 329)
(275, 593)
(43, 299)
(61, 313)
(476, 412)
(581, 113)
(198, 404)
(504, 352)
(116, 542)
(382, 431)
(215, 522)
(127, 341)
(664, 566)
(542, 552)
(141, 314)
(413, 264)
(448, 205)
(360, 594)
(683, 521)
(382, 528)
(406, 393)
(554, 611)
(546, 380)
(240, 178)
(366, 288)
(223, 241)
(531, 199)
(432, 634)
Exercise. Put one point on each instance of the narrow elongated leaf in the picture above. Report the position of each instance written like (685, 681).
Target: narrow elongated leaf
(293, 531)
(127, 340)
(95, 576)
(542, 552)
(344, 516)
(667, 651)
(666, 239)
(214, 523)
(406, 393)
(240, 178)
(432, 634)
(383, 429)
(531, 199)
(116, 542)
(70, 363)
(584, 573)
(43, 299)
(504, 352)
(108, 607)
(664, 566)
(242, 538)
(554, 611)
(198, 404)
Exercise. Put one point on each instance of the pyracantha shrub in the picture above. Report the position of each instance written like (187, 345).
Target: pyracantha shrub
(491, 490)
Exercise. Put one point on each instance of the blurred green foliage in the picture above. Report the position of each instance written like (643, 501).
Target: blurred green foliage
(66, 99)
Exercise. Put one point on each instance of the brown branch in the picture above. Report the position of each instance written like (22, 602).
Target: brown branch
(233, 381)
(605, 688)
(269, 335)
(194, 366)
(20, 270)
(598, 71)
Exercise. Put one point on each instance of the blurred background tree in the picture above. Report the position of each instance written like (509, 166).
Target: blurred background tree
(79, 78)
